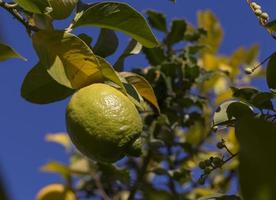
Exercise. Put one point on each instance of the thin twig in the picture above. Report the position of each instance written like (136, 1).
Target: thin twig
(11, 8)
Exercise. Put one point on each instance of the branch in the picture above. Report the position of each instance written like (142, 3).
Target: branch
(11, 8)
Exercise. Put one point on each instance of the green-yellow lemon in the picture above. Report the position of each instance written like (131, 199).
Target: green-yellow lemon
(102, 122)
(55, 192)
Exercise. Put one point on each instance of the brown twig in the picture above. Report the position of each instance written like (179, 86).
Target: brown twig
(11, 8)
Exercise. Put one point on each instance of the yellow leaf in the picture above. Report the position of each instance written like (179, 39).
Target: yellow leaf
(56, 192)
(67, 58)
(208, 21)
(142, 86)
(56, 167)
(60, 138)
(223, 96)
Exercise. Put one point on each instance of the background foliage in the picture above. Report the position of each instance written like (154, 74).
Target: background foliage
(190, 81)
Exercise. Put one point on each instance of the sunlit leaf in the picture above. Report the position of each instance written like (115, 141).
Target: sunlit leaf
(56, 167)
(56, 191)
(7, 52)
(157, 20)
(39, 87)
(257, 158)
(208, 21)
(220, 197)
(67, 58)
(107, 43)
(142, 86)
(34, 6)
(59, 138)
(62, 8)
(120, 17)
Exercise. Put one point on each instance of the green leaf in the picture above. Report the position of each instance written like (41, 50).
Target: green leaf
(228, 111)
(33, 6)
(155, 56)
(107, 43)
(246, 94)
(257, 158)
(271, 26)
(7, 52)
(120, 17)
(62, 8)
(177, 32)
(39, 87)
(271, 72)
(56, 167)
(67, 59)
(220, 197)
(109, 73)
(86, 38)
(142, 86)
(157, 20)
(132, 48)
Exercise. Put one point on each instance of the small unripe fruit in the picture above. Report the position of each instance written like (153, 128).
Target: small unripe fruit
(207, 170)
(256, 6)
(202, 165)
(208, 162)
(258, 12)
(248, 70)
(264, 16)
(217, 162)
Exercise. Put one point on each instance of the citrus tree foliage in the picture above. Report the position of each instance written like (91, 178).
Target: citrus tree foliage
(206, 131)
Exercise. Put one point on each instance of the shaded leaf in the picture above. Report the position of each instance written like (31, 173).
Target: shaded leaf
(67, 58)
(39, 87)
(59, 138)
(86, 38)
(132, 48)
(228, 111)
(220, 197)
(257, 158)
(157, 20)
(177, 32)
(62, 8)
(142, 86)
(33, 6)
(155, 56)
(7, 52)
(271, 72)
(271, 26)
(120, 17)
(107, 43)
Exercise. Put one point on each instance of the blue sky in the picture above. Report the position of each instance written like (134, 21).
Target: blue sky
(23, 125)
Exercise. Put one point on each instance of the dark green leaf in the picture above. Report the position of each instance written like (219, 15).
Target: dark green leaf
(132, 48)
(33, 6)
(271, 26)
(155, 56)
(86, 38)
(7, 52)
(39, 87)
(228, 111)
(120, 17)
(245, 93)
(257, 140)
(62, 8)
(177, 32)
(157, 20)
(271, 72)
(107, 43)
(263, 100)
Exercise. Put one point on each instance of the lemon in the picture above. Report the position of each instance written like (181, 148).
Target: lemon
(103, 123)
(55, 192)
